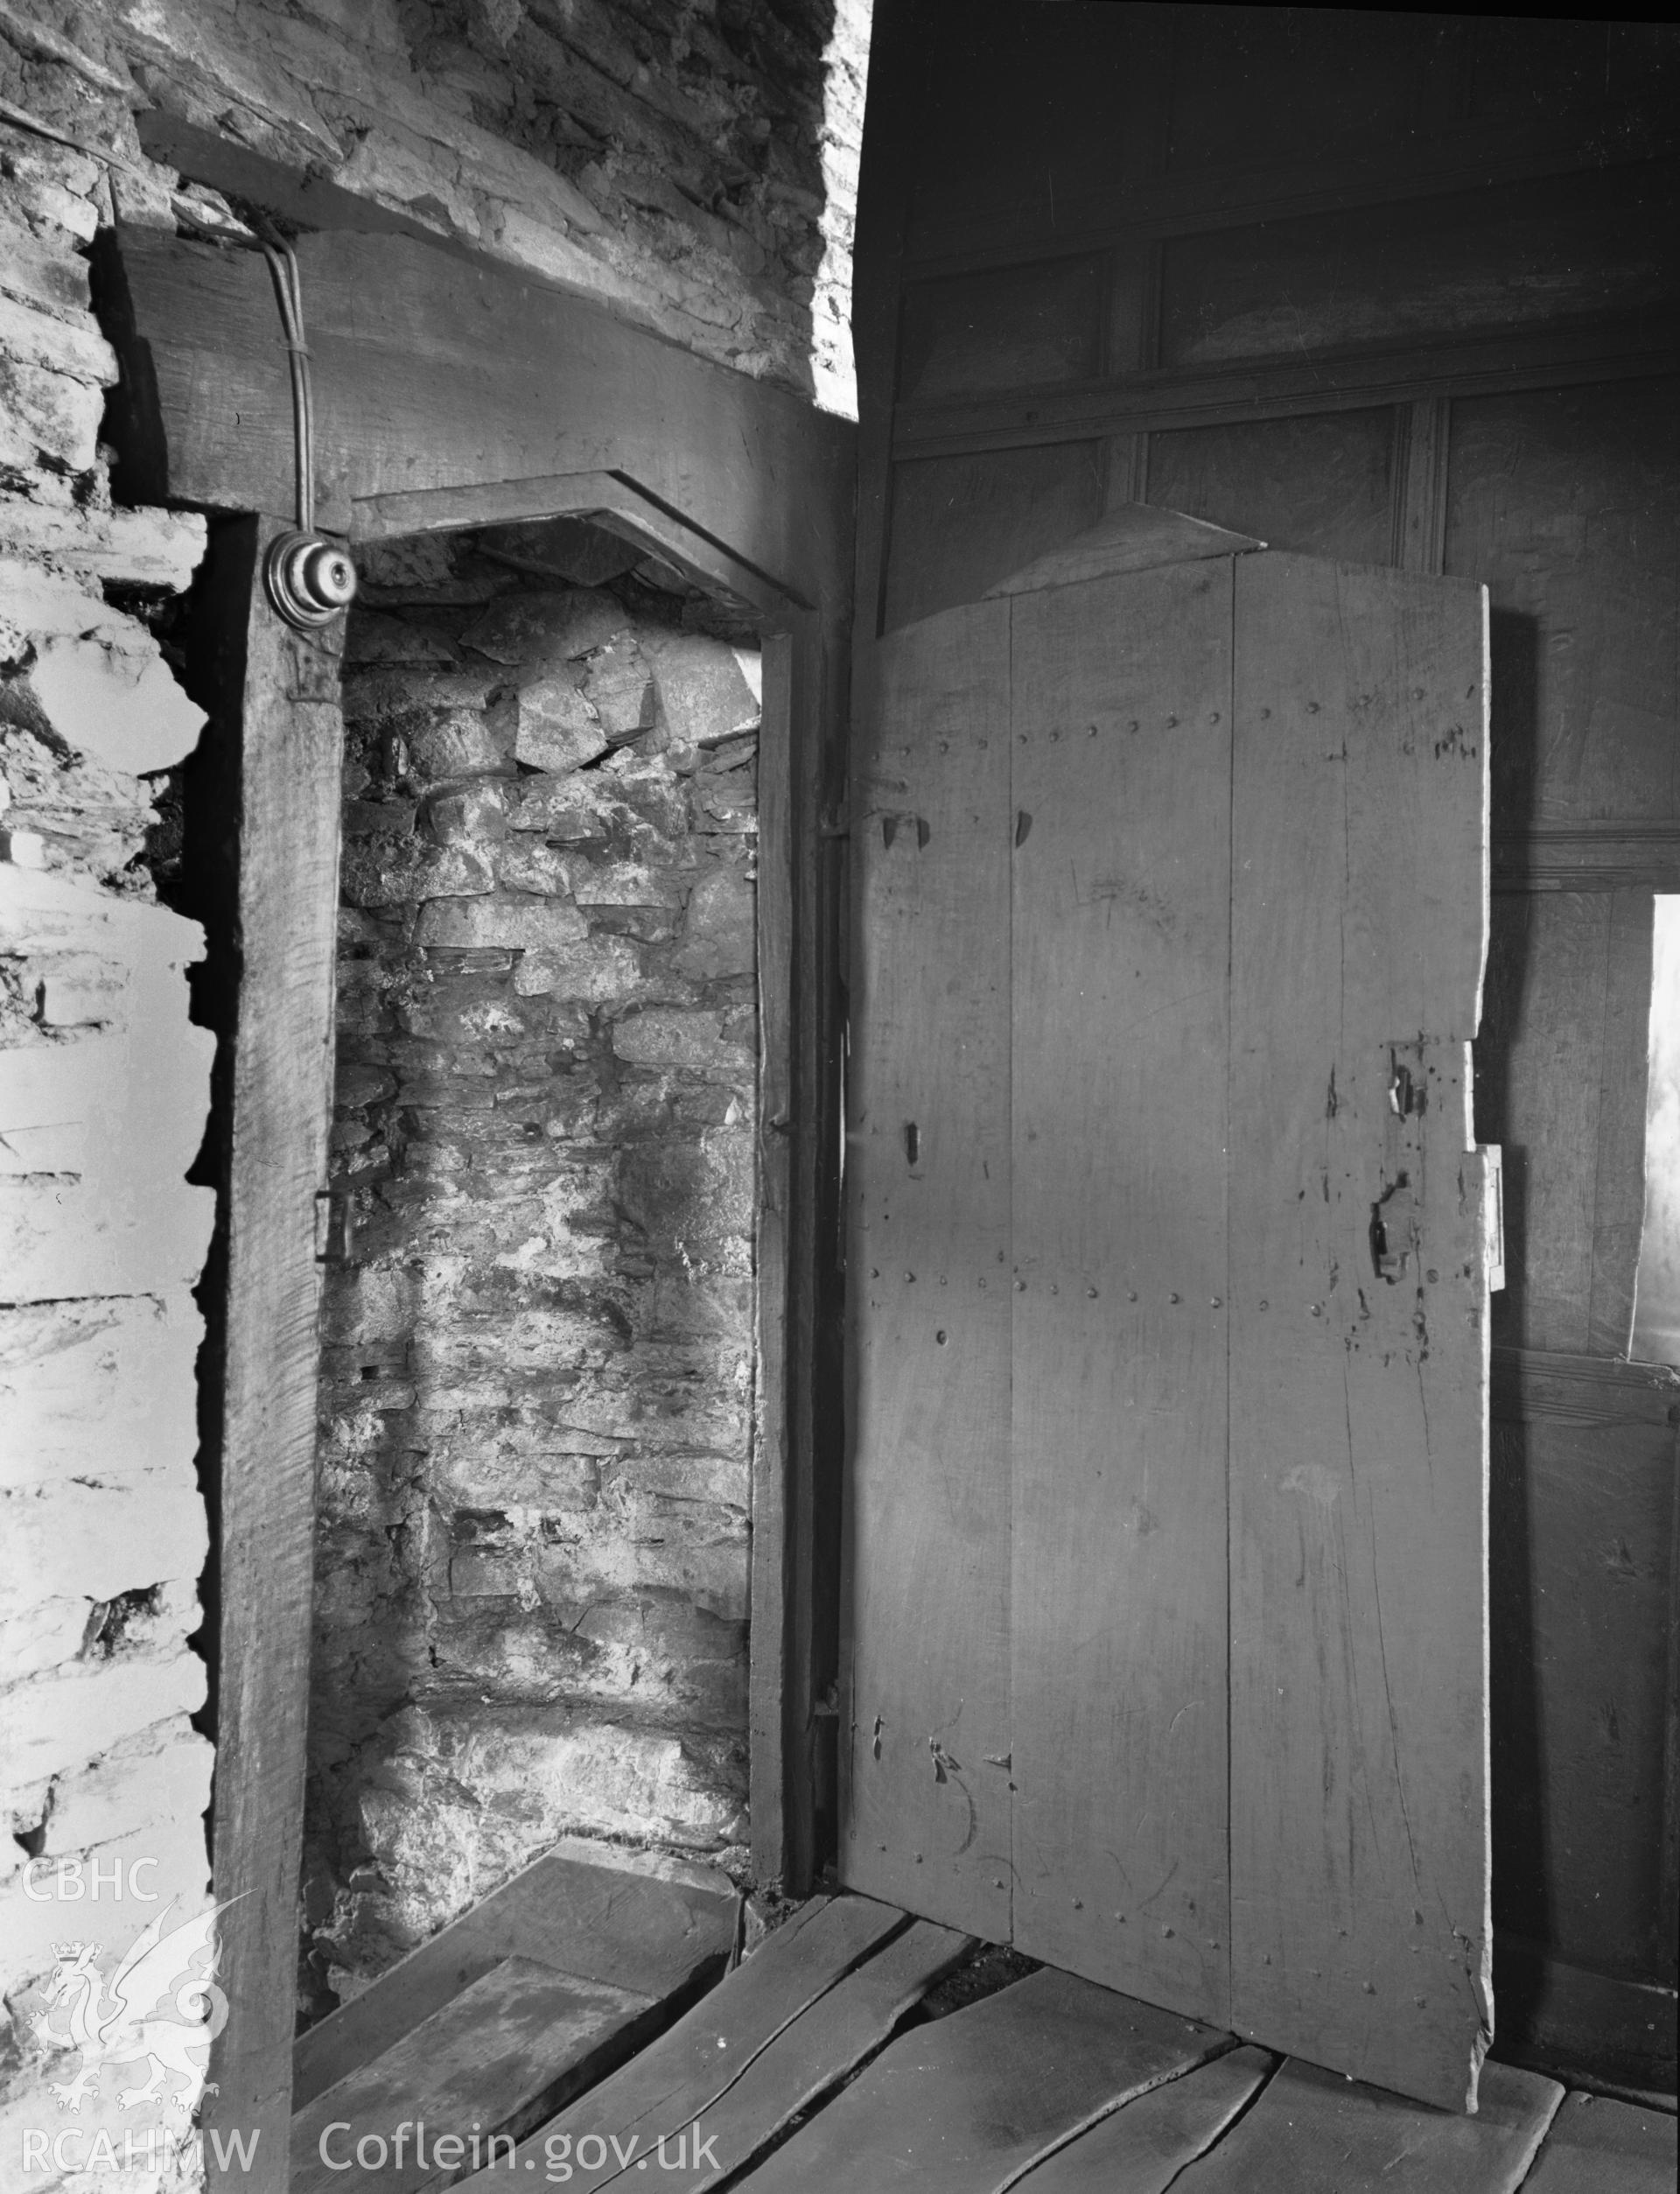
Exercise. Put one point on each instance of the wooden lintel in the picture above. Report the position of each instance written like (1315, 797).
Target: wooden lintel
(435, 372)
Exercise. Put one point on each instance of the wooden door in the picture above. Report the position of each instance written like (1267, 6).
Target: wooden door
(1168, 1272)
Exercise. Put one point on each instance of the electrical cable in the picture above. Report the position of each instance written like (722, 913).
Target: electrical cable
(309, 579)
(288, 288)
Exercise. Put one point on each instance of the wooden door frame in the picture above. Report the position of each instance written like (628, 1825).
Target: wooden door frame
(515, 402)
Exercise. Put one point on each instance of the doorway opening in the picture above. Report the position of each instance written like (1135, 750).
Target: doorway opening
(539, 1381)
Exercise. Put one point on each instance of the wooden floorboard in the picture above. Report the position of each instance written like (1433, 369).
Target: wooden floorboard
(501, 2056)
(1596, 2147)
(965, 2104)
(679, 2077)
(813, 2056)
(1315, 2132)
(652, 1933)
(1142, 2148)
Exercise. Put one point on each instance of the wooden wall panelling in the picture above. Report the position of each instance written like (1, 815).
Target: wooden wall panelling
(1424, 430)
(1120, 741)
(1541, 1069)
(1323, 485)
(925, 1690)
(1526, 253)
(1002, 328)
(1131, 329)
(284, 713)
(1566, 504)
(1241, 97)
(1583, 1507)
(1358, 1394)
(951, 237)
(1619, 1167)
(1235, 115)
(959, 525)
(1568, 356)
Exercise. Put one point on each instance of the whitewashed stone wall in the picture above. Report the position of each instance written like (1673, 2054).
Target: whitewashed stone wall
(103, 1092)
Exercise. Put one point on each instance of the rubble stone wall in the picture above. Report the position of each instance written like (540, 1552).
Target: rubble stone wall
(532, 1583)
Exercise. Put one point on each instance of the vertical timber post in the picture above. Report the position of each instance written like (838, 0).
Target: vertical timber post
(289, 731)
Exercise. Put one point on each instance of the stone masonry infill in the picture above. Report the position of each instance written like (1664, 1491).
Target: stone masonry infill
(532, 1579)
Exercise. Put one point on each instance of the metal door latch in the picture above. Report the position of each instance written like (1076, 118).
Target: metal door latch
(334, 1227)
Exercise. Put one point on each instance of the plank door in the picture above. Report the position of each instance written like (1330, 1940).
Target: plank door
(1166, 1551)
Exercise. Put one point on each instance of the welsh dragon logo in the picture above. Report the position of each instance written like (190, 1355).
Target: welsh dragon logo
(154, 2011)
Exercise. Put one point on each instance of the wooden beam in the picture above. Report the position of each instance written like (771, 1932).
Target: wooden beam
(431, 371)
(957, 234)
(1526, 358)
(287, 724)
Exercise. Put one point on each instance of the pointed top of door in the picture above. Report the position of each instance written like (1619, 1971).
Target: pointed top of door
(1131, 537)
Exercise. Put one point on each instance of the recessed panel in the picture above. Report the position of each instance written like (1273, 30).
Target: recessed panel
(1323, 485)
(1013, 328)
(1424, 270)
(959, 524)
